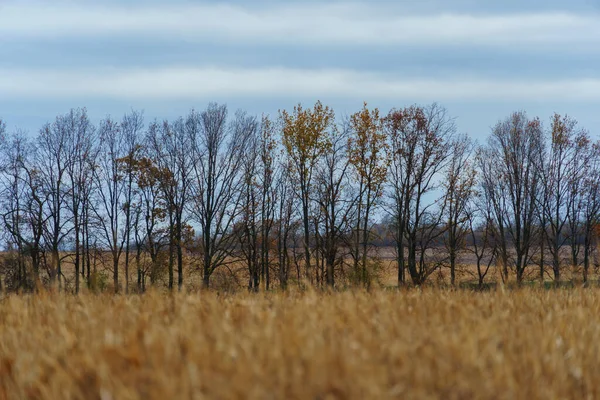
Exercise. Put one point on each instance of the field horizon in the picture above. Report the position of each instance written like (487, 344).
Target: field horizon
(234, 275)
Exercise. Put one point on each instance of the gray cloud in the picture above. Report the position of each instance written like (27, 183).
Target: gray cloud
(189, 83)
(309, 24)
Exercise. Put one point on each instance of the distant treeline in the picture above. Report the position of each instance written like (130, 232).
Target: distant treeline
(301, 197)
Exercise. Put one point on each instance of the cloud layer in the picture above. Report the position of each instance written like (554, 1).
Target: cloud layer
(308, 24)
(192, 83)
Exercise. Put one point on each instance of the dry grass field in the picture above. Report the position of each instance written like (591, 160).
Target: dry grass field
(429, 343)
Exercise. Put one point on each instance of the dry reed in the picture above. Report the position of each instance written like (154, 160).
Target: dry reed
(427, 343)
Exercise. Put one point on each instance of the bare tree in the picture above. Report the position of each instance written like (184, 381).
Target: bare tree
(11, 194)
(258, 203)
(80, 143)
(268, 193)
(576, 196)
(483, 243)
(286, 225)
(172, 145)
(111, 188)
(248, 230)
(158, 133)
(131, 127)
(510, 183)
(15, 200)
(459, 190)
(560, 173)
(591, 203)
(217, 152)
(419, 145)
(334, 200)
(53, 158)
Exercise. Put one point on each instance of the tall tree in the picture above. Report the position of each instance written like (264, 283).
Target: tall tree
(559, 169)
(334, 200)
(80, 133)
(13, 192)
(172, 145)
(305, 137)
(53, 160)
(482, 235)
(591, 204)
(111, 189)
(158, 133)
(131, 126)
(249, 225)
(217, 152)
(150, 206)
(458, 185)
(268, 193)
(576, 197)
(285, 222)
(511, 184)
(419, 144)
(367, 152)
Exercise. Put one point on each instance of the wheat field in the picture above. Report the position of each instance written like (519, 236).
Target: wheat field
(429, 343)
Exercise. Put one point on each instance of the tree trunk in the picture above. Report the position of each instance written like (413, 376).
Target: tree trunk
(542, 251)
(86, 229)
(306, 240)
(400, 261)
(139, 268)
(171, 251)
(77, 245)
(412, 262)
(586, 256)
(206, 277)
(116, 271)
(556, 265)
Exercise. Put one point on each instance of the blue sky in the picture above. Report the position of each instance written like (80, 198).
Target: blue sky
(480, 59)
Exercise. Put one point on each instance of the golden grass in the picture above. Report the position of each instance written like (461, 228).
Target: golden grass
(410, 344)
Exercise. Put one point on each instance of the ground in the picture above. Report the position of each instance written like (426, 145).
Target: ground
(234, 276)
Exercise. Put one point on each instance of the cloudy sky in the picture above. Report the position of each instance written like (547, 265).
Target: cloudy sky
(480, 59)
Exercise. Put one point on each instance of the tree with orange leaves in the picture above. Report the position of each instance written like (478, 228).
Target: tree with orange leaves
(367, 152)
(305, 137)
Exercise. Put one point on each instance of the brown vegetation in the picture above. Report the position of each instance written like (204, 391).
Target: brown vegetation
(428, 343)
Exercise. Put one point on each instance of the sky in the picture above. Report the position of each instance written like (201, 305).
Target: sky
(481, 60)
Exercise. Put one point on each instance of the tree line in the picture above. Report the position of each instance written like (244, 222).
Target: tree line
(299, 198)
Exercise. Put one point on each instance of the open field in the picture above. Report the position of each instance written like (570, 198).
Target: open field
(234, 276)
(431, 343)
